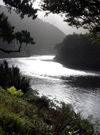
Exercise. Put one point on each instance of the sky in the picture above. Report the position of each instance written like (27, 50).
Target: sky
(57, 21)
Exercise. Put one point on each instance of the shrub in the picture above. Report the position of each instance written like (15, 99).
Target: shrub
(12, 90)
(43, 102)
(11, 76)
(19, 117)
(67, 122)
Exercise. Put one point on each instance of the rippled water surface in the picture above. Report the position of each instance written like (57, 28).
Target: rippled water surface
(80, 88)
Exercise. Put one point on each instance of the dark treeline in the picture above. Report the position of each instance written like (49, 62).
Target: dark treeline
(79, 51)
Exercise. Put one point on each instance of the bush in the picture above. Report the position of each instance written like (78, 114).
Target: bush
(67, 122)
(12, 90)
(11, 76)
(43, 102)
(14, 125)
(19, 117)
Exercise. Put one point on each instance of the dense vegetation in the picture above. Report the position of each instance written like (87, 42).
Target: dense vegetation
(79, 51)
(10, 76)
(23, 112)
(77, 13)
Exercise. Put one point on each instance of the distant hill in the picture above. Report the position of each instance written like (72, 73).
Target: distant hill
(45, 35)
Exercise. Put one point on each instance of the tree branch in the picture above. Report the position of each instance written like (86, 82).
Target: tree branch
(11, 51)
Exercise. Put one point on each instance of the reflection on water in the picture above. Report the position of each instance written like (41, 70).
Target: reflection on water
(80, 88)
(86, 100)
(44, 66)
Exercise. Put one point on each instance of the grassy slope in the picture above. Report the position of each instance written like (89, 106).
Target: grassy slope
(19, 117)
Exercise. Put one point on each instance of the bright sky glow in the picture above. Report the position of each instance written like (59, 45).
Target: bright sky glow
(1, 2)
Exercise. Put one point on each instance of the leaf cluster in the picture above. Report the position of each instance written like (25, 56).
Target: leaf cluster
(22, 7)
(6, 30)
(77, 13)
(12, 90)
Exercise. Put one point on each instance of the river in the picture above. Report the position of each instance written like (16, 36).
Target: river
(49, 78)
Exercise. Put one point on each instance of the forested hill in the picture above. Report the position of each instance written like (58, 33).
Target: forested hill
(79, 51)
(45, 35)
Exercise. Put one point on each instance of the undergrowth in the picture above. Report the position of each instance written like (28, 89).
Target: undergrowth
(23, 112)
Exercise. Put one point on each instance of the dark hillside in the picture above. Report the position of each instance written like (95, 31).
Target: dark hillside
(79, 51)
(45, 35)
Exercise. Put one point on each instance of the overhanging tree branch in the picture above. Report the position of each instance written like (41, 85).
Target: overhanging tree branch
(11, 51)
(22, 7)
(78, 13)
(7, 34)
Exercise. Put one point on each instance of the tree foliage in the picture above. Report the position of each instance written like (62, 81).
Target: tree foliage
(21, 7)
(79, 13)
(12, 90)
(7, 34)
(79, 51)
(6, 30)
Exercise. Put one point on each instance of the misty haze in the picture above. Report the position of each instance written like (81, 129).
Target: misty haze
(49, 67)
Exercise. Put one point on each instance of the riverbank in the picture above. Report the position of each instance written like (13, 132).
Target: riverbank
(79, 51)
(29, 114)
(78, 67)
(54, 80)
(33, 116)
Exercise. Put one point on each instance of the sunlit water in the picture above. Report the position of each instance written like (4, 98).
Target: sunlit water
(56, 81)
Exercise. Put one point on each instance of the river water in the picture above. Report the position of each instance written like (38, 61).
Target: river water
(49, 78)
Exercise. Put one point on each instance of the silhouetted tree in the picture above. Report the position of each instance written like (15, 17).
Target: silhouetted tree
(22, 7)
(6, 30)
(79, 13)
(7, 34)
